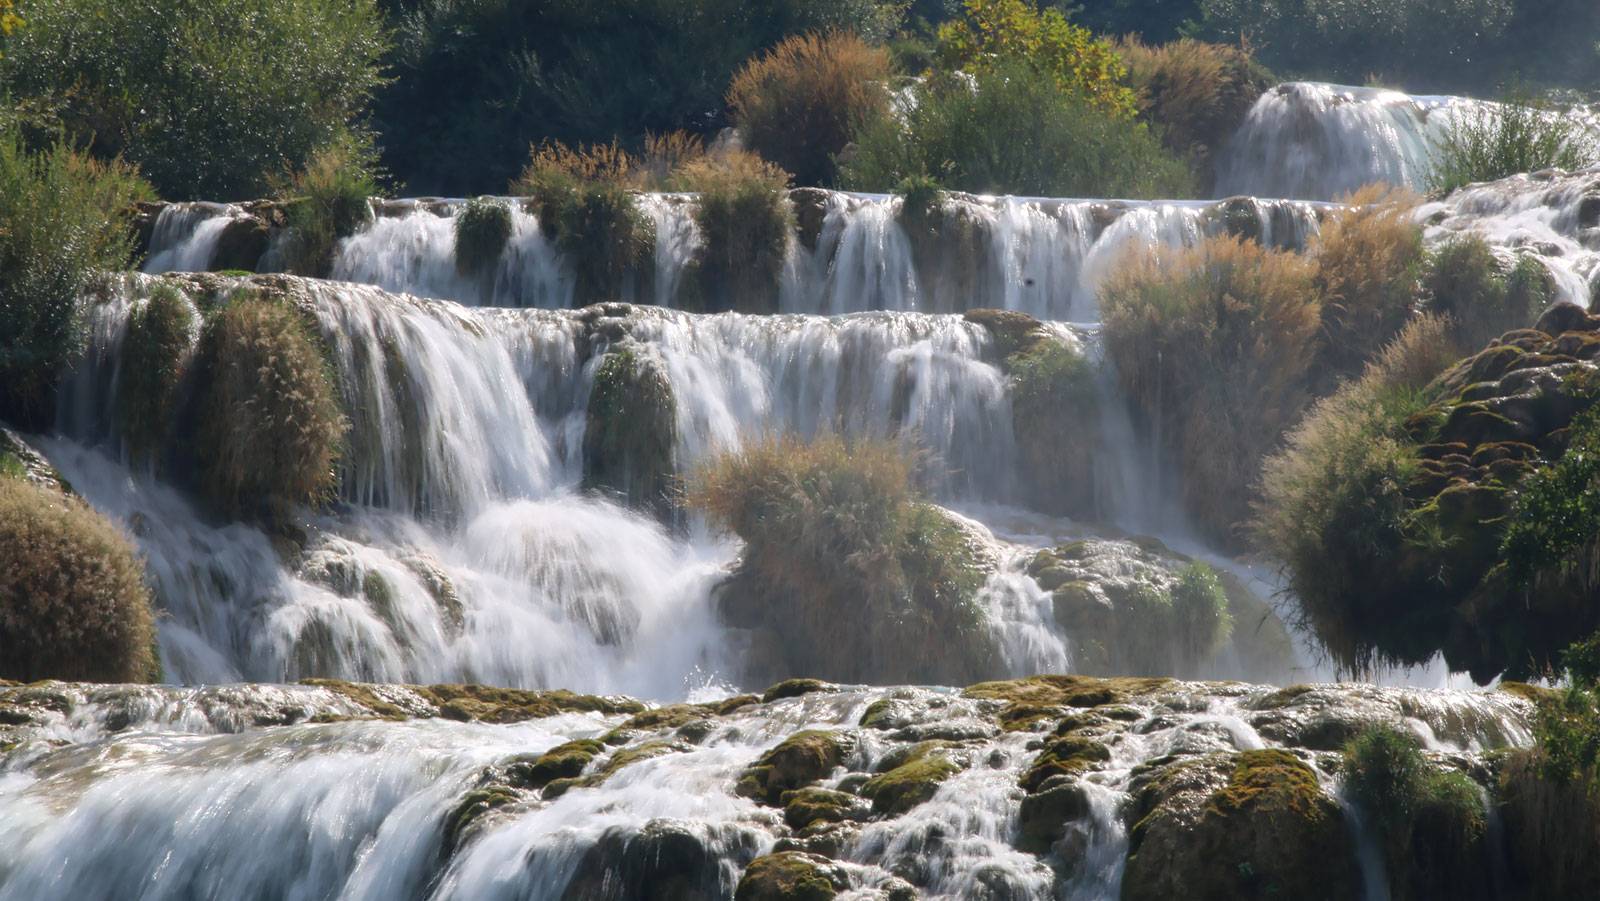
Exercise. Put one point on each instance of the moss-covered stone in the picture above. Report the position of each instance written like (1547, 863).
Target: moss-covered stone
(471, 703)
(482, 229)
(564, 761)
(155, 356)
(790, 876)
(1064, 755)
(803, 807)
(914, 778)
(794, 688)
(796, 762)
(631, 435)
(1255, 824)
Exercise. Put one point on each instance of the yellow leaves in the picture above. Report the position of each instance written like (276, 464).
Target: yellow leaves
(9, 20)
(1017, 29)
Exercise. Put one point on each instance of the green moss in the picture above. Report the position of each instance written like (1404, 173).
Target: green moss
(1055, 416)
(805, 806)
(796, 762)
(477, 703)
(794, 688)
(1066, 755)
(915, 778)
(11, 466)
(482, 229)
(787, 876)
(745, 222)
(470, 809)
(564, 761)
(155, 355)
(631, 434)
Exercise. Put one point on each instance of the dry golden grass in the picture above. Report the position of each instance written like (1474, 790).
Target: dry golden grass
(800, 103)
(73, 603)
(1213, 345)
(1195, 93)
(1369, 260)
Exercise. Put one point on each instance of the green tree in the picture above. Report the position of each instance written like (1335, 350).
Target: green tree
(994, 32)
(209, 97)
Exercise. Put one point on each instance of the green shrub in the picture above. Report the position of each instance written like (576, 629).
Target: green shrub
(1213, 345)
(745, 222)
(997, 35)
(631, 433)
(1549, 799)
(209, 99)
(799, 104)
(327, 201)
(1429, 823)
(482, 229)
(1055, 414)
(1369, 257)
(155, 355)
(1010, 130)
(477, 82)
(1332, 506)
(1194, 94)
(62, 220)
(269, 425)
(1200, 613)
(855, 576)
(1553, 534)
(585, 202)
(73, 603)
(1521, 134)
(1465, 281)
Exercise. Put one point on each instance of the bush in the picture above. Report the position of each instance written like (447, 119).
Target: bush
(1430, 824)
(1465, 281)
(1055, 414)
(1436, 45)
(327, 201)
(1202, 623)
(1521, 134)
(799, 104)
(478, 81)
(1553, 533)
(1332, 507)
(631, 433)
(64, 219)
(73, 603)
(269, 427)
(155, 355)
(482, 229)
(996, 35)
(1550, 798)
(209, 99)
(745, 222)
(1213, 345)
(856, 575)
(585, 202)
(1010, 130)
(1369, 258)
(1194, 94)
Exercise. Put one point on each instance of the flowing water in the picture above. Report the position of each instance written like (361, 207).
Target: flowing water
(463, 548)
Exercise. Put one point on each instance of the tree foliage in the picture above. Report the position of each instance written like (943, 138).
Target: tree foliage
(994, 32)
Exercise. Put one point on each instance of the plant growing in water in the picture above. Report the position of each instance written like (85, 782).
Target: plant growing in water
(1520, 134)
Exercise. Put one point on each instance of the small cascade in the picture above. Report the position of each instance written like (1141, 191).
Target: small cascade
(186, 234)
(1319, 141)
(862, 261)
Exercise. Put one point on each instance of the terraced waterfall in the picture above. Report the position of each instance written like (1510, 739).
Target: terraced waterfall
(325, 706)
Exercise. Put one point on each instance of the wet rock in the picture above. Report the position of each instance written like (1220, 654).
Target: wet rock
(1046, 814)
(670, 860)
(632, 431)
(796, 762)
(791, 876)
(794, 688)
(1251, 825)
(912, 777)
(803, 807)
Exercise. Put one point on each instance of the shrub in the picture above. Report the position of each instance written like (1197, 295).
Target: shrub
(155, 355)
(73, 603)
(995, 35)
(327, 201)
(1465, 281)
(1332, 507)
(1429, 823)
(269, 426)
(585, 203)
(478, 82)
(860, 578)
(1553, 533)
(209, 99)
(1550, 798)
(1200, 615)
(1195, 94)
(1010, 130)
(63, 220)
(1055, 415)
(745, 222)
(1213, 346)
(1369, 257)
(631, 433)
(1521, 134)
(482, 229)
(800, 103)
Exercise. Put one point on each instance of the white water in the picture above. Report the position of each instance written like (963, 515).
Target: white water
(186, 234)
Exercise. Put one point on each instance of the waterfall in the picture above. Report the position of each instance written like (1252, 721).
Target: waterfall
(186, 234)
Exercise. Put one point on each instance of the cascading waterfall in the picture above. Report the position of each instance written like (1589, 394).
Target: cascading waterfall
(185, 236)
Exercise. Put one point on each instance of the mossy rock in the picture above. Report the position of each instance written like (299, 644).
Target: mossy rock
(669, 859)
(915, 778)
(471, 703)
(1065, 755)
(794, 688)
(798, 761)
(482, 229)
(1035, 693)
(791, 876)
(1045, 815)
(631, 435)
(803, 807)
(564, 761)
(467, 815)
(1255, 824)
